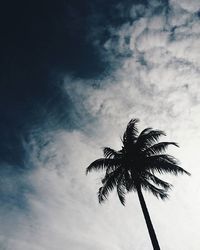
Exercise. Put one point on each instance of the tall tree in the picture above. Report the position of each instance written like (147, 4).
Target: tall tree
(133, 168)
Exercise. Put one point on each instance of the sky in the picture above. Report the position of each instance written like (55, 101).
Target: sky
(73, 73)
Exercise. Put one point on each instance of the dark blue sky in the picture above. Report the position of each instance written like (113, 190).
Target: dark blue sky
(40, 42)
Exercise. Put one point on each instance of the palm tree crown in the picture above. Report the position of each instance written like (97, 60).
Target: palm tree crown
(134, 166)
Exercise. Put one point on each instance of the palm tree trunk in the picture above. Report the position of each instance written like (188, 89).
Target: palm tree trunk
(148, 220)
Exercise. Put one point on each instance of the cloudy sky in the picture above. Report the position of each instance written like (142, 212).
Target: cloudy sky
(72, 75)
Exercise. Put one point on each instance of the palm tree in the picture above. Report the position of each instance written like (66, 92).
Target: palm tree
(133, 168)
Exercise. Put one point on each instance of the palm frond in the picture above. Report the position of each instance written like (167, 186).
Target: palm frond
(109, 182)
(145, 131)
(164, 164)
(101, 195)
(111, 153)
(157, 181)
(129, 182)
(158, 148)
(158, 192)
(131, 132)
(147, 137)
(103, 163)
(121, 191)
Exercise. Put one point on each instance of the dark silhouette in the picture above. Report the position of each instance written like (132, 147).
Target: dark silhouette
(133, 167)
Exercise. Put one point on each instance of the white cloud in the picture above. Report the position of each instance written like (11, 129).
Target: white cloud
(159, 83)
(190, 6)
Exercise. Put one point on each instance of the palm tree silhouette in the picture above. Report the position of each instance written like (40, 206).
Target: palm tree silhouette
(133, 168)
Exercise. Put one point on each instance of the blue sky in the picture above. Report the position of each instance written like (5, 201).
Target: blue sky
(73, 75)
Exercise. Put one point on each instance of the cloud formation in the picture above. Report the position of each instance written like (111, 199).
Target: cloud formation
(155, 77)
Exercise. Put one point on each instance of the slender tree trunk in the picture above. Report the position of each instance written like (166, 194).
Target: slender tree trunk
(148, 220)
